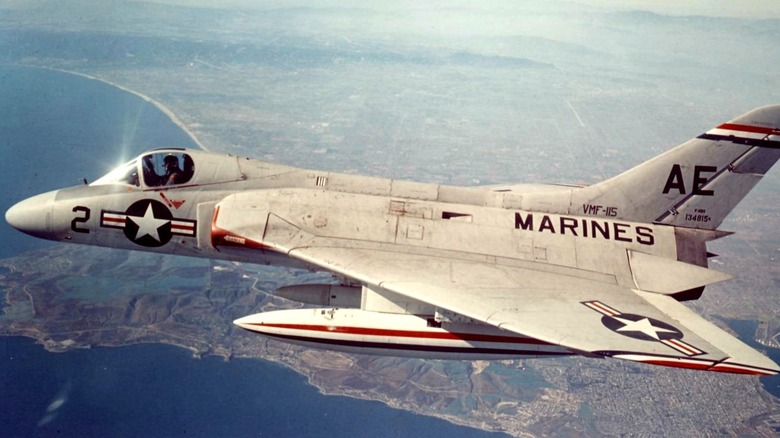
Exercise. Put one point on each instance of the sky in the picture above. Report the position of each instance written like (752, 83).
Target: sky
(711, 8)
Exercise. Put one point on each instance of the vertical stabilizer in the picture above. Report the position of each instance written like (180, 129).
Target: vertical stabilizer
(696, 184)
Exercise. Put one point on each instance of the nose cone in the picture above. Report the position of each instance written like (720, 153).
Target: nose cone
(251, 322)
(33, 215)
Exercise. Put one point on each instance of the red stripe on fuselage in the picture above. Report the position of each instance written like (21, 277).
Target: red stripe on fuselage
(408, 333)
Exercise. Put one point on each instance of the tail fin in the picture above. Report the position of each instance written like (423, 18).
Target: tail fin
(696, 184)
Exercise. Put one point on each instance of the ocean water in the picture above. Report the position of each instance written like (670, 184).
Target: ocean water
(747, 332)
(159, 390)
(56, 128)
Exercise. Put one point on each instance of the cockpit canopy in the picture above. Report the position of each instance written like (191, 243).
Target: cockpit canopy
(154, 169)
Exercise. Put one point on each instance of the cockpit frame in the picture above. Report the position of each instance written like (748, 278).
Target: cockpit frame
(153, 170)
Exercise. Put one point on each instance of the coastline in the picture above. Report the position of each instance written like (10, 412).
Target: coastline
(314, 378)
(165, 110)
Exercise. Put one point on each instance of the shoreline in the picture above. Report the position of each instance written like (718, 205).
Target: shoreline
(56, 347)
(157, 104)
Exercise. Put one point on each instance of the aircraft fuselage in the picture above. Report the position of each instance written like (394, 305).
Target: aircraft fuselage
(127, 210)
(430, 270)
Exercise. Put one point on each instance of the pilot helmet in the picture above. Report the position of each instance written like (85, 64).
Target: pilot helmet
(171, 160)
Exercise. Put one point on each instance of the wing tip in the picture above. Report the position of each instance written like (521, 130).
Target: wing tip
(703, 364)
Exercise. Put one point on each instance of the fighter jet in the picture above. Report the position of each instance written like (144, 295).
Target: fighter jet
(437, 271)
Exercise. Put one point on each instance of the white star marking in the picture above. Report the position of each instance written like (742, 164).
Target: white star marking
(148, 224)
(642, 326)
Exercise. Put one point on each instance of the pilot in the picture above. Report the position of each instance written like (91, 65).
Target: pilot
(173, 174)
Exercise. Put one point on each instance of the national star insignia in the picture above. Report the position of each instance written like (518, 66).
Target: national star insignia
(148, 224)
(643, 326)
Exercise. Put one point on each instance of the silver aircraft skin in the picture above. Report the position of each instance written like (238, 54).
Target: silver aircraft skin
(437, 271)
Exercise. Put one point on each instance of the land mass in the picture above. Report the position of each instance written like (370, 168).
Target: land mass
(546, 96)
(70, 297)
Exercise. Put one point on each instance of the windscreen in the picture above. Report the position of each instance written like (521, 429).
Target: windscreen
(125, 174)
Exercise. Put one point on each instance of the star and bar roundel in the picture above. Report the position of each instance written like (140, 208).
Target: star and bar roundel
(643, 328)
(148, 223)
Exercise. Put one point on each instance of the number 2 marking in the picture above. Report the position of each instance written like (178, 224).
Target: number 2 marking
(74, 224)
